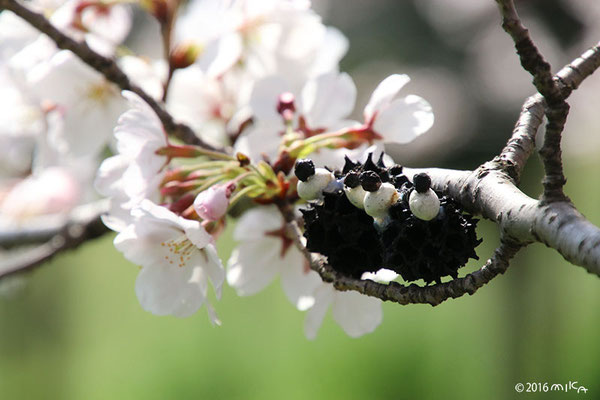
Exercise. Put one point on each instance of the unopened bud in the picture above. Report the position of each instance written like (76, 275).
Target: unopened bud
(242, 159)
(212, 204)
(158, 8)
(184, 55)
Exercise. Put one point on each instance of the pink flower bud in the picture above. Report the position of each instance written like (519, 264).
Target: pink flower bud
(211, 204)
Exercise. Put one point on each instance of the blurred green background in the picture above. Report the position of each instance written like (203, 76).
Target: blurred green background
(73, 329)
(76, 331)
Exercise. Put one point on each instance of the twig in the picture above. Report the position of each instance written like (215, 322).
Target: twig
(75, 232)
(557, 108)
(106, 67)
(166, 30)
(521, 145)
(43, 228)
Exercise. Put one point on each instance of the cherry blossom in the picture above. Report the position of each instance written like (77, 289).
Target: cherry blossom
(178, 260)
(135, 172)
(265, 252)
(268, 37)
(89, 102)
(324, 103)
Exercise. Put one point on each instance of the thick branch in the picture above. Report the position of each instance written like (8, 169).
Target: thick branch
(402, 294)
(106, 67)
(491, 193)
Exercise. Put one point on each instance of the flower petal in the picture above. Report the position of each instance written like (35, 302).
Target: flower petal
(381, 276)
(221, 54)
(298, 283)
(255, 222)
(251, 267)
(356, 313)
(384, 93)
(165, 289)
(264, 97)
(404, 119)
(214, 269)
(328, 99)
(315, 315)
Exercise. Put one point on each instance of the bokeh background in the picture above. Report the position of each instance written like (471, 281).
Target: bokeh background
(73, 329)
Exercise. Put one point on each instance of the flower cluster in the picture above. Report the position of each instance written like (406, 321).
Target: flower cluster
(258, 79)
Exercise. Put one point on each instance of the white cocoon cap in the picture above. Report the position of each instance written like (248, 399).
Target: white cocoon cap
(356, 196)
(377, 203)
(313, 187)
(425, 206)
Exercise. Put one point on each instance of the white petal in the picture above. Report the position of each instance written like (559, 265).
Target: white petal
(356, 313)
(262, 139)
(332, 50)
(251, 266)
(114, 223)
(327, 99)
(384, 93)
(381, 276)
(264, 97)
(193, 229)
(214, 269)
(221, 54)
(140, 242)
(404, 119)
(166, 289)
(315, 315)
(298, 283)
(255, 222)
(108, 181)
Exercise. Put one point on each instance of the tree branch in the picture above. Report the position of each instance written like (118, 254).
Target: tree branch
(402, 294)
(85, 224)
(521, 145)
(557, 108)
(107, 67)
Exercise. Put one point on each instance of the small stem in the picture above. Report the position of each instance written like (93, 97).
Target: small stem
(240, 194)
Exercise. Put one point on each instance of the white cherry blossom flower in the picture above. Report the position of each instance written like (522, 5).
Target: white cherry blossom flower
(323, 104)
(264, 252)
(206, 103)
(265, 36)
(102, 26)
(22, 122)
(135, 173)
(89, 102)
(178, 260)
(397, 119)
